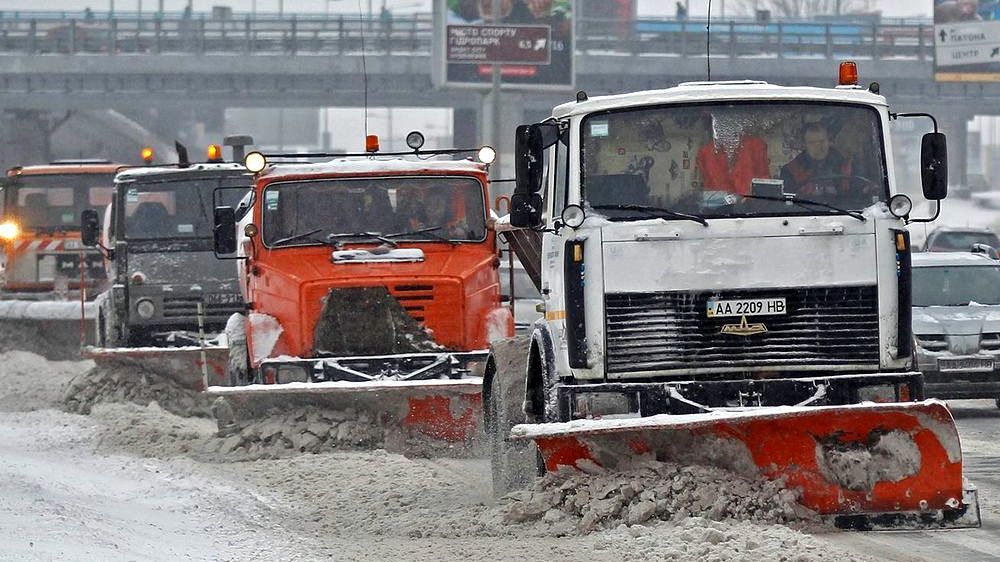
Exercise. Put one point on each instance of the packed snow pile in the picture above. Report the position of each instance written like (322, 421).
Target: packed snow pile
(31, 382)
(151, 431)
(302, 430)
(649, 492)
(317, 429)
(130, 384)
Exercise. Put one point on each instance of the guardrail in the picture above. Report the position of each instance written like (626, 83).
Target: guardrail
(42, 34)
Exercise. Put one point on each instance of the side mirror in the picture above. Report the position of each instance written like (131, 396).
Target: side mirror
(225, 230)
(530, 142)
(525, 210)
(934, 166)
(90, 228)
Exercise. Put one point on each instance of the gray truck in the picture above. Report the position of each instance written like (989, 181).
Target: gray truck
(157, 238)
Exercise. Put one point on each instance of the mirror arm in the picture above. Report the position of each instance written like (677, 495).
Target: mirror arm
(937, 211)
(916, 114)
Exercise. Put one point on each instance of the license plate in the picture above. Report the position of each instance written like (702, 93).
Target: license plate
(223, 298)
(965, 364)
(745, 307)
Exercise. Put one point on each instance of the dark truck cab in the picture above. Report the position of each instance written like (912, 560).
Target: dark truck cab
(158, 240)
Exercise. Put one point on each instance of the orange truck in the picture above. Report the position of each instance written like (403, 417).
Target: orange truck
(370, 279)
(40, 228)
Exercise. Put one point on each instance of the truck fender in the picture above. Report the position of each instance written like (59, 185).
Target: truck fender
(541, 375)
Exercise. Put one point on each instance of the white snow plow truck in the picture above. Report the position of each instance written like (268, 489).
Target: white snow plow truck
(726, 279)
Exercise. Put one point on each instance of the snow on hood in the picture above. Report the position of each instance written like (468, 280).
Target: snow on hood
(956, 320)
(360, 165)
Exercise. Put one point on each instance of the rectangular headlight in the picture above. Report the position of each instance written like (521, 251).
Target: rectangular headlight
(596, 405)
(877, 393)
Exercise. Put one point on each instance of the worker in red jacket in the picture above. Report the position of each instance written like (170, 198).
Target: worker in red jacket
(733, 166)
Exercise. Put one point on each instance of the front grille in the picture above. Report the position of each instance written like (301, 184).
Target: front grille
(187, 307)
(666, 331)
(416, 299)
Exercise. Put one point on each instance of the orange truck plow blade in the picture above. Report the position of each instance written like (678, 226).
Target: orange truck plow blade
(867, 466)
(432, 415)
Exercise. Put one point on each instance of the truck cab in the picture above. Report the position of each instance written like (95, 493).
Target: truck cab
(158, 238)
(368, 267)
(40, 228)
(714, 245)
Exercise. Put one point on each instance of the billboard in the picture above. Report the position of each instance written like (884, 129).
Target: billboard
(967, 40)
(532, 42)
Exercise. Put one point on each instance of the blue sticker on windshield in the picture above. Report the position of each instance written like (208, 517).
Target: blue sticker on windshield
(271, 200)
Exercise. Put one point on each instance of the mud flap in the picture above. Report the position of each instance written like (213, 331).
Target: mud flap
(439, 414)
(862, 466)
(182, 365)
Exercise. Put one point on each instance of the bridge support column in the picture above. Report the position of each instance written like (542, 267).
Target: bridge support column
(955, 124)
(511, 115)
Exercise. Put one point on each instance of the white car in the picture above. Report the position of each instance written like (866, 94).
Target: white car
(956, 324)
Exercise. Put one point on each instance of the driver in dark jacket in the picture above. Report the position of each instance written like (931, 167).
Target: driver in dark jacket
(819, 170)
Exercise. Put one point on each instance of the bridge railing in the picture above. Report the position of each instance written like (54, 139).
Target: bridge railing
(294, 35)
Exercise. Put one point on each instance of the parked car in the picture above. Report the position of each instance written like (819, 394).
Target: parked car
(956, 324)
(959, 239)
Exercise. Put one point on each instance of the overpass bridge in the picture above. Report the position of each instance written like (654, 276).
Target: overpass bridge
(52, 61)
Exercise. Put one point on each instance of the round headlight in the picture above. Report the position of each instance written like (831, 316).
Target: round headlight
(573, 216)
(250, 230)
(414, 140)
(137, 278)
(487, 155)
(9, 230)
(255, 161)
(145, 308)
(900, 205)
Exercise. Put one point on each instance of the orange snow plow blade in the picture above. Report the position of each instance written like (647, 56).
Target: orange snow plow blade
(429, 415)
(190, 367)
(869, 466)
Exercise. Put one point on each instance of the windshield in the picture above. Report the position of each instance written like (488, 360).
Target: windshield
(961, 241)
(425, 208)
(55, 201)
(177, 208)
(956, 285)
(710, 159)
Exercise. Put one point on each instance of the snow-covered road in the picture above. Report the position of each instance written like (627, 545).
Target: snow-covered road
(138, 483)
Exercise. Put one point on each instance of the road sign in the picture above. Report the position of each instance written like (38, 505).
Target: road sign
(963, 43)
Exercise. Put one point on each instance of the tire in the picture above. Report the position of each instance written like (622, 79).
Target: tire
(514, 464)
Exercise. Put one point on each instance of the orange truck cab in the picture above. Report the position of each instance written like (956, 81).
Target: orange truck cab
(40, 228)
(339, 254)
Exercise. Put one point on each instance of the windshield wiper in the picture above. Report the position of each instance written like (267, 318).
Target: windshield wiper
(295, 237)
(804, 202)
(428, 230)
(658, 212)
(374, 235)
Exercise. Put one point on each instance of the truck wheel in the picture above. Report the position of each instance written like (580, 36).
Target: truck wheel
(514, 463)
